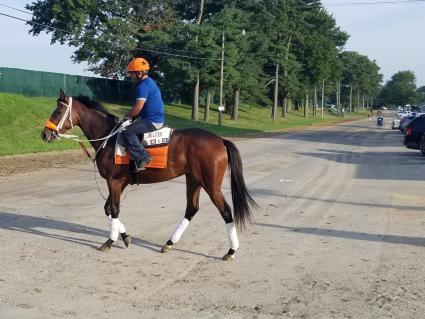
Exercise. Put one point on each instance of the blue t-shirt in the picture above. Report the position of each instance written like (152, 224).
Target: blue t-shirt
(153, 109)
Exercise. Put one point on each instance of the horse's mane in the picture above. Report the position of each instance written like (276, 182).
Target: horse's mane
(97, 106)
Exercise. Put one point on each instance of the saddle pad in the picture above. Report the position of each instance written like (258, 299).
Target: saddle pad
(156, 144)
(159, 156)
(157, 138)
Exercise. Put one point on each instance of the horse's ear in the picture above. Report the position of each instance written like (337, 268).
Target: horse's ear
(61, 95)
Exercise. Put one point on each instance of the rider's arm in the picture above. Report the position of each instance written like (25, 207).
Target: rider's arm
(136, 108)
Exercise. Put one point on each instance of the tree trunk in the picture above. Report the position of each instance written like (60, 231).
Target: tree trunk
(195, 108)
(284, 104)
(315, 102)
(235, 111)
(207, 106)
(306, 106)
(285, 76)
(358, 100)
(201, 11)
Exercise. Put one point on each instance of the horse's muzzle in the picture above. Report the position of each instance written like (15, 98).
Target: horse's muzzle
(47, 135)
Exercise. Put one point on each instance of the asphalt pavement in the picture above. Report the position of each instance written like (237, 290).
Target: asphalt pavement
(340, 233)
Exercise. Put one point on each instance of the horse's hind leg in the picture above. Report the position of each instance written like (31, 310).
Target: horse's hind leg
(193, 189)
(220, 202)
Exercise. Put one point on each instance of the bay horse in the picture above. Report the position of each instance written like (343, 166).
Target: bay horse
(198, 154)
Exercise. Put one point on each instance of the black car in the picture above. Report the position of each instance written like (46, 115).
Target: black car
(404, 122)
(413, 133)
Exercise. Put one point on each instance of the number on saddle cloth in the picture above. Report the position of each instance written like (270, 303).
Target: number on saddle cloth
(156, 138)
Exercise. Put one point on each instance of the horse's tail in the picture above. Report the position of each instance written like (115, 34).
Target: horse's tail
(242, 200)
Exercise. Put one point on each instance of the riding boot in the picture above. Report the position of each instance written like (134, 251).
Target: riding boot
(140, 165)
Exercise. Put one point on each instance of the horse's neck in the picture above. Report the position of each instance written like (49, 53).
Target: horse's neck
(94, 125)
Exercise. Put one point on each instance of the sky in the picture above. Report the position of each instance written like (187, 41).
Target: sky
(390, 34)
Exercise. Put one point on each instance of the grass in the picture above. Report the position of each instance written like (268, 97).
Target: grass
(22, 120)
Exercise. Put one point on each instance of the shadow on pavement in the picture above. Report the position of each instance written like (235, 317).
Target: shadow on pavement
(374, 205)
(390, 239)
(376, 164)
(46, 227)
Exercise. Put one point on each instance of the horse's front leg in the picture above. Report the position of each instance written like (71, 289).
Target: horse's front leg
(112, 210)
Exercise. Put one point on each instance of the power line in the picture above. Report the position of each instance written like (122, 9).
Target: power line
(177, 55)
(16, 9)
(352, 4)
(141, 49)
(30, 22)
(159, 47)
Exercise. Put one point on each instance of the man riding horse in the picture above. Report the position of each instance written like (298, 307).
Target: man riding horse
(149, 107)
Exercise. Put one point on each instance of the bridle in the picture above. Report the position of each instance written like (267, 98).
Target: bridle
(67, 115)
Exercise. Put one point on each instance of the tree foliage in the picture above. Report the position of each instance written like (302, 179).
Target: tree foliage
(400, 89)
(182, 41)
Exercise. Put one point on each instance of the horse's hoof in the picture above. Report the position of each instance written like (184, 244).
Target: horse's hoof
(127, 240)
(106, 246)
(166, 248)
(228, 257)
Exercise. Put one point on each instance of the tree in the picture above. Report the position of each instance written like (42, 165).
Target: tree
(359, 73)
(400, 89)
(421, 93)
(106, 34)
(295, 40)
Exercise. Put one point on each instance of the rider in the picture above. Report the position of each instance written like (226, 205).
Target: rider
(149, 108)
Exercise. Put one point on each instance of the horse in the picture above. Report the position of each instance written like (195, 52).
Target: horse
(196, 153)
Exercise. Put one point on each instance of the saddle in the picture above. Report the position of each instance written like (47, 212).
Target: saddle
(155, 143)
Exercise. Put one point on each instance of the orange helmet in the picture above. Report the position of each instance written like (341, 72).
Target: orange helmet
(138, 64)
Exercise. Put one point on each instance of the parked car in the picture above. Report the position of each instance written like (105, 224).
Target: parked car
(396, 124)
(414, 132)
(406, 113)
(404, 122)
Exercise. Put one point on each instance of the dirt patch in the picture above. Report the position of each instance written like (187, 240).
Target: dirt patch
(26, 163)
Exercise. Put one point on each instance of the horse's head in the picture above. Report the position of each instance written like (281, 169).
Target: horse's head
(62, 119)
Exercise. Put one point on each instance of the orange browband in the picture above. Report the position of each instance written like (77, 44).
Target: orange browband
(50, 125)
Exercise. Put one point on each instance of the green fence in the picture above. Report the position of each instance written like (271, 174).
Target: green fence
(37, 83)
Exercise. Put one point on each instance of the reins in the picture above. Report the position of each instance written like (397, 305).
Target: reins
(68, 114)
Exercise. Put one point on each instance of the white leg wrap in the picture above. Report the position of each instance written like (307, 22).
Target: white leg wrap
(113, 235)
(121, 228)
(233, 236)
(178, 232)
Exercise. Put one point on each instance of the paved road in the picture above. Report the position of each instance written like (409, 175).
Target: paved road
(340, 233)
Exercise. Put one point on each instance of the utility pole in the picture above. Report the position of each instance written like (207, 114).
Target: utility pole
(221, 107)
(351, 98)
(276, 87)
(338, 102)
